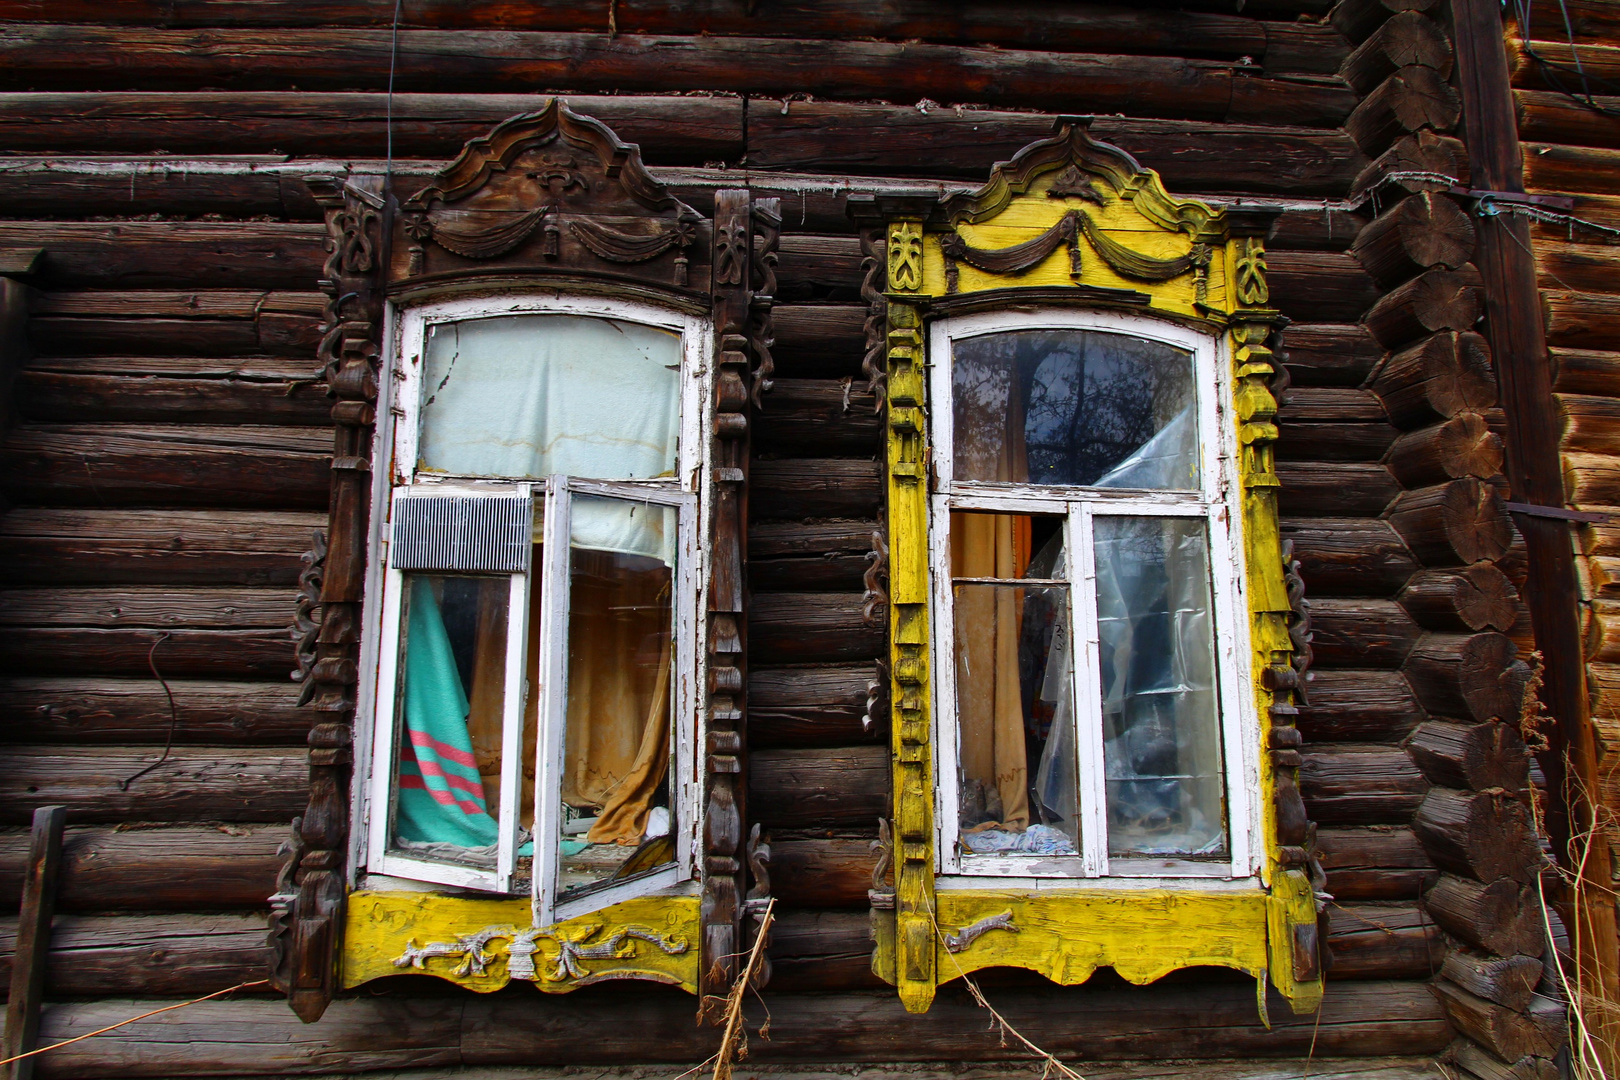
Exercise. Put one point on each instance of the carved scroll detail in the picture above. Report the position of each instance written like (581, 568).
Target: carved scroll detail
(306, 628)
(876, 597)
(961, 939)
(877, 315)
(572, 949)
(767, 219)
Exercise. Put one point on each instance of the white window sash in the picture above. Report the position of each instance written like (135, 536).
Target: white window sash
(1216, 502)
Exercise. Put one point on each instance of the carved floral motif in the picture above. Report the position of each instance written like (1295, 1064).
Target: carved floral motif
(564, 959)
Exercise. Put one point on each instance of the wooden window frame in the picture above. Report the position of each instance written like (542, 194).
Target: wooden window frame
(1215, 503)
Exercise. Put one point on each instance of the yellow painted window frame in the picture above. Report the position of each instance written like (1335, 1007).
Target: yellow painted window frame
(1112, 236)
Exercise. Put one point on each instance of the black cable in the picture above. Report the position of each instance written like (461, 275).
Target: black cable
(174, 715)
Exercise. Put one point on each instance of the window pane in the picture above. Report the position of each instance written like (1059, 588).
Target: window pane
(532, 395)
(1074, 407)
(448, 755)
(1161, 716)
(1015, 707)
(617, 818)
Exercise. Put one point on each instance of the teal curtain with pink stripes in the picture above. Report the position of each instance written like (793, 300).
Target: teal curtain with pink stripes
(441, 799)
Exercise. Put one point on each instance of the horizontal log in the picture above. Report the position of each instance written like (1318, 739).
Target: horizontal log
(1587, 18)
(1601, 626)
(207, 784)
(1482, 835)
(1479, 597)
(1379, 862)
(655, 1026)
(1591, 479)
(829, 872)
(149, 547)
(809, 628)
(1549, 166)
(828, 573)
(1591, 423)
(183, 955)
(1598, 62)
(1551, 117)
(1437, 378)
(1468, 676)
(1416, 234)
(49, 397)
(824, 538)
(1408, 38)
(135, 711)
(1383, 941)
(1453, 524)
(1586, 371)
(670, 130)
(272, 333)
(800, 488)
(1329, 354)
(814, 269)
(159, 608)
(203, 654)
(867, 140)
(1354, 705)
(822, 950)
(1319, 286)
(1460, 447)
(176, 868)
(819, 340)
(1349, 556)
(1352, 784)
(1579, 321)
(272, 369)
(1411, 99)
(1422, 161)
(51, 186)
(819, 788)
(165, 254)
(1435, 300)
(1507, 1033)
(162, 465)
(1479, 1062)
(1311, 489)
(1502, 917)
(1359, 19)
(819, 416)
(1588, 267)
(1332, 424)
(80, 57)
(812, 706)
(1358, 633)
(1509, 981)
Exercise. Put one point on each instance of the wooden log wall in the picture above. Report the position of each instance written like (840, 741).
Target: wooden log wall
(166, 466)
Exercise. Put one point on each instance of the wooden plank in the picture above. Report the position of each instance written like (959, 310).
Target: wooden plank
(155, 547)
(824, 872)
(818, 416)
(239, 784)
(168, 465)
(118, 956)
(168, 868)
(33, 941)
(83, 711)
(184, 653)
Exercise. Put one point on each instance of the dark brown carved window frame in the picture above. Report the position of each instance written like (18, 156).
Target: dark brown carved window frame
(582, 216)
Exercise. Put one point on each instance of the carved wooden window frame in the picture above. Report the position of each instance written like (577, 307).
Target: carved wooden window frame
(1086, 229)
(548, 202)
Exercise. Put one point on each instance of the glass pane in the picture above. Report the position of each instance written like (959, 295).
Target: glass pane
(1074, 407)
(532, 395)
(452, 703)
(1014, 705)
(617, 817)
(1161, 716)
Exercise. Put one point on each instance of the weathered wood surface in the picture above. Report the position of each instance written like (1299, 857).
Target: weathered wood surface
(1334, 489)
(1474, 756)
(1412, 98)
(1422, 161)
(368, 1032)
(80, 57)
(52, 397)
(1484, 835)
(1478, 597)
(821, 788)
(1329, 354)
(1462, 446)
(812, 628)
(1383, 941)
(1374, 863)
(173, 254)
(812, 706)
(1507, 1033)
(1551, 167)
(1441, 376)
(183, 955)
(154, 547)
(822, 417)
(1554, 118)
(136, 711)
(1349, 556)
(1433, 301)
(799, 488)
(1453, 524)
(1586, 371)
(1408, 38)
(1507, 980)
(167, 465)
(32, 941)
(209, 784)
(1360, 784)
(172, 868)
(1485, 1065)
(822, 950)
(1352, 705)
(1359, 19)
(1591, 423)
(1416, 234)
(1502, 917)
(1468, 676)
(1361, 633)
(1332, 424)
(825, 872)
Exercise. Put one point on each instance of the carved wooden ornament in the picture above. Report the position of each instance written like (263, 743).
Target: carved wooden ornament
(548, 200)
(1070, 222)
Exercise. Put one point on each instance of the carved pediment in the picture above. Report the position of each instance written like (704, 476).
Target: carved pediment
(551, 191)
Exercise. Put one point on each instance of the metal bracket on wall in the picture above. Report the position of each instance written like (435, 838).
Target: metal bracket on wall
(1558, 512)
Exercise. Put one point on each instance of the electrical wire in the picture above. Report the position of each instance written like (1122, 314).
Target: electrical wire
(1552, 69)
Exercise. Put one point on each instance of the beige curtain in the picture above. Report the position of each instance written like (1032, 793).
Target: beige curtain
(989, 620)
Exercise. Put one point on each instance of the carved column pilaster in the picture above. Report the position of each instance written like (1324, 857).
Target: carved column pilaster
(307, 911)
(726, 798)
